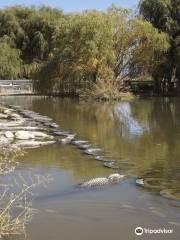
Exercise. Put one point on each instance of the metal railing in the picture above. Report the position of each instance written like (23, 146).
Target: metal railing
(16, 87)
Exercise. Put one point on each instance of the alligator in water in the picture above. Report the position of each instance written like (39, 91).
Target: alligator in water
(92, 184)
(100, 181)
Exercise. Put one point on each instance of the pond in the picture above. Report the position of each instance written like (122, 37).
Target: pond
(143, 136)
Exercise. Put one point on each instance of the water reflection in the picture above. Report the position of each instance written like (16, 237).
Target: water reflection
(123, 112)
(143, 135)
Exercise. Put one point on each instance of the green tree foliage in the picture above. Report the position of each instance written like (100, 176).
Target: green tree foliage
(136, 44)
(30, 30)
(164, 15)
(100, 45)
(83, 52)
(68, 53)
(10, 61)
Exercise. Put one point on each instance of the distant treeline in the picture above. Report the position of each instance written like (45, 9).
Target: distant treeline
(93, 51)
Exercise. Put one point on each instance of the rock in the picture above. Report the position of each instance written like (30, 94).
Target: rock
(12, 123)
(84, 146)
(24, 128)
(3, 116)
(100, 158)
(15, 116)
(54, 125)
(9, 135)
(79, 142)
(21, 125)
(26, 113)
(43, 119)
(7, 111)
(92, 151)
(32, 144)
(71, 135)
(67, 139)
(62, 133)
(57, 133)
(111, 164)
(24, 135)
(41, 135)
(4, 141)
(140, 182)
(36, 116)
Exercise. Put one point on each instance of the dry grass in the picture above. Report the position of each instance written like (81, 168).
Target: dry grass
(15, 206)
(16, 210)
(106, 90)
(8, 158)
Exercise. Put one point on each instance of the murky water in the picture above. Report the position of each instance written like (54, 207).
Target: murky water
(143, 136)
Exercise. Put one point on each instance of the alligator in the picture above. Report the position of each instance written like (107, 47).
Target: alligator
(100, 181)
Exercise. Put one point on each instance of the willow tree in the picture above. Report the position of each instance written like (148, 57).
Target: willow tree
(138, 48)
(138, 45)
(30, 30)
(10, 62)
(9, 26)
(83, 52)
(107, 46)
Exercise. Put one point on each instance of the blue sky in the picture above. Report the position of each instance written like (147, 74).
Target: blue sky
(71, 5)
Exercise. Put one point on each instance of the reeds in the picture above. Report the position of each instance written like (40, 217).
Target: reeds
(106, 90)
(15, 197)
